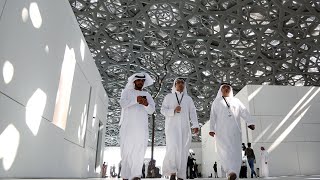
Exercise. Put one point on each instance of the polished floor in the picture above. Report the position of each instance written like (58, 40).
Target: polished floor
(314, 177)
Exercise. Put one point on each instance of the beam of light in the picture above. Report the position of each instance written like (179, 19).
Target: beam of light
(98, 169)
(261, 134)
(65, 87)
(83, 124)
(34, 110)
(47, 49)
(25, 14)
(9, 143)
(35, 15)
(290, 113)
(287, 131)
(7, 72)
(252, 95)
(70, 110)
(308, 101)
(215, 146)
(82, 49)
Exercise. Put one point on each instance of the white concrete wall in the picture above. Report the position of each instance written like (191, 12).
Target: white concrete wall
(35, 39)
(287, 124)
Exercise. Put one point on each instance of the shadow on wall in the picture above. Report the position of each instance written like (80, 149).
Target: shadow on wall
(297, 112)
(31, 91)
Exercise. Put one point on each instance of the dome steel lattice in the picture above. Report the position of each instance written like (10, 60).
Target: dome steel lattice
(208, 41)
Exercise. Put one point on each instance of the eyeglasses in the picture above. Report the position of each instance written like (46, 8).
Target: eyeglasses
(225, 87)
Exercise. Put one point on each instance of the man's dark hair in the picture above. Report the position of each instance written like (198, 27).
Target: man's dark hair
(180, 79)
(244, 146)
(249, 144)
(224, 83)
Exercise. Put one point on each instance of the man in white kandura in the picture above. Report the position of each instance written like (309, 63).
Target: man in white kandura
(178, 109)
(136, 104)
(264, 158)
(225, 116)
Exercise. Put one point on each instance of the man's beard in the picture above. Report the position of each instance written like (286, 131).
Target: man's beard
(180, 90)
(226, 94)
(138, 87)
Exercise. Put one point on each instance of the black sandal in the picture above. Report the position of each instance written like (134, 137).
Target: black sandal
(232, 176)
(173, 177)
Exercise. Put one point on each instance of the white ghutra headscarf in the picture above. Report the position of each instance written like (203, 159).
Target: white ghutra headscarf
(173, 90)
(142, 75)
(219, 97)
(130, 85)
(219, 94)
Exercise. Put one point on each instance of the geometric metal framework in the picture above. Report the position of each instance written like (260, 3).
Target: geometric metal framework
(208, 41)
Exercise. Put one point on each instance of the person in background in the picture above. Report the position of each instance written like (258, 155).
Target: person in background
(119, 169)
(190, 165)
(264, 167)
(113, 171)
(144, 171)
(104, 170)
(244, 147)
(251, 159)
(243, 170)
(215, 169)
(196, 171)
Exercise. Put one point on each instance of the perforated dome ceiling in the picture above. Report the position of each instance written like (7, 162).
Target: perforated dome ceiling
(208, 41)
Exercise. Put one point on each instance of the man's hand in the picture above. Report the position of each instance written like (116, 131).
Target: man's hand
(140, 99)
(145, 102)
(195, 130)
(252, 127)
(212, 134)
(177, 109)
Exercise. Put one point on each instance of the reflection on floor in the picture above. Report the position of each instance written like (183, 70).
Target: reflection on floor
(313, 177)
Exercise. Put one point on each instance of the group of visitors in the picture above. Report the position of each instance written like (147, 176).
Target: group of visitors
(180, 115)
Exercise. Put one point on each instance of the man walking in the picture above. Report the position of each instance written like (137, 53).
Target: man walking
(251, 159)
(179, 110)
(225, 115)
(136, 104)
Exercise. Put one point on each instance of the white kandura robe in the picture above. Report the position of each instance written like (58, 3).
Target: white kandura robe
(264, 168)
(134, 132)
(228, 131)
(178, 133)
